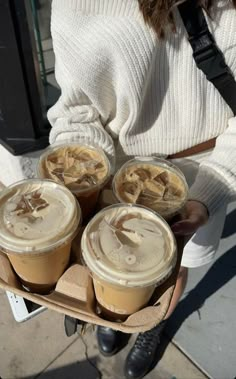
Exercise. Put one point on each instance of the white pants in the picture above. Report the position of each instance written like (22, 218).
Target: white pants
(201, 248)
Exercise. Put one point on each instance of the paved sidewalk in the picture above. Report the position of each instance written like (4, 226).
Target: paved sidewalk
(40, 349)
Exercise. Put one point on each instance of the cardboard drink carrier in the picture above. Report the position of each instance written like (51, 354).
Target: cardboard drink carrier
(74, 294)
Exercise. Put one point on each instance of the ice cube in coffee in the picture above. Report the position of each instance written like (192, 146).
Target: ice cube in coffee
(83, 169)
(129, 251)
(152, 182)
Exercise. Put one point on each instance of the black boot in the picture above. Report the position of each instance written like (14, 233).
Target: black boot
(110, 341)
(141, 357)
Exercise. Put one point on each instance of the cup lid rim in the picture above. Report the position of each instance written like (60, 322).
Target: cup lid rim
(59, 145)
(116, 277)
(18, 245)
(151, 160)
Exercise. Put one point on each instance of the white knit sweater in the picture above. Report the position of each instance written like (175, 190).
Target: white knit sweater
(119, 80)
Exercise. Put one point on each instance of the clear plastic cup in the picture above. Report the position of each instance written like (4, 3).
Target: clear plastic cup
(152, 182)
(129, 250)
(38, 221)
(83, 169)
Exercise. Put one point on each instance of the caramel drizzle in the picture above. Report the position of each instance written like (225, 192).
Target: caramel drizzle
(30, 202)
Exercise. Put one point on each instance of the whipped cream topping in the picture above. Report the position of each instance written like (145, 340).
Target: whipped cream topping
(35, 214)
(129, 242)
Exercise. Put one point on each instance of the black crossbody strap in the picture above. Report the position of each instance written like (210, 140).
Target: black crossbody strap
(207, 55)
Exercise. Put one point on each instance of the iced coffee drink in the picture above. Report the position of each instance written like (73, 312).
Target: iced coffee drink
(38, 221)
(84, 170)
(152, 182)
(129, 251)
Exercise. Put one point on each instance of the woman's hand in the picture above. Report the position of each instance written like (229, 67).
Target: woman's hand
(194, 215)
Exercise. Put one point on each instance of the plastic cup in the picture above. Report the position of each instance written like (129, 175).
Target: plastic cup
(83, 169)
(129, 250)
(152, 182)
(38, 221)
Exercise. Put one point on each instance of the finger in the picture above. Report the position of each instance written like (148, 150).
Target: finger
(186, 227)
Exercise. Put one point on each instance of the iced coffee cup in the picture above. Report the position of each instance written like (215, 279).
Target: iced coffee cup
(83, 169)
(129, 250)
(38, 221)
(152, 182)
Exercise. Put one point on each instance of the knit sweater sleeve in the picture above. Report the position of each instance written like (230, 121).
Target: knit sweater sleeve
(75, 116)
(215, 182)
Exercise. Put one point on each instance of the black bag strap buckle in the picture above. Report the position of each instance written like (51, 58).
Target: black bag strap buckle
(208, 56)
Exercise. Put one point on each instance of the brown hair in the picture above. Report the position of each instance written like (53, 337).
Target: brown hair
(158, 13)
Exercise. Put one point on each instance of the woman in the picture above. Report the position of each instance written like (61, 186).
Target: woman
(127, 75)
(129, 83)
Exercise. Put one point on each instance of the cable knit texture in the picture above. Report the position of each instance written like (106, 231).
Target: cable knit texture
(118, 80)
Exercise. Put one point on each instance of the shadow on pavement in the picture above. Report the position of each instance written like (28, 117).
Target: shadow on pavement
(220, 273)
(230, 225)
(82, 369)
